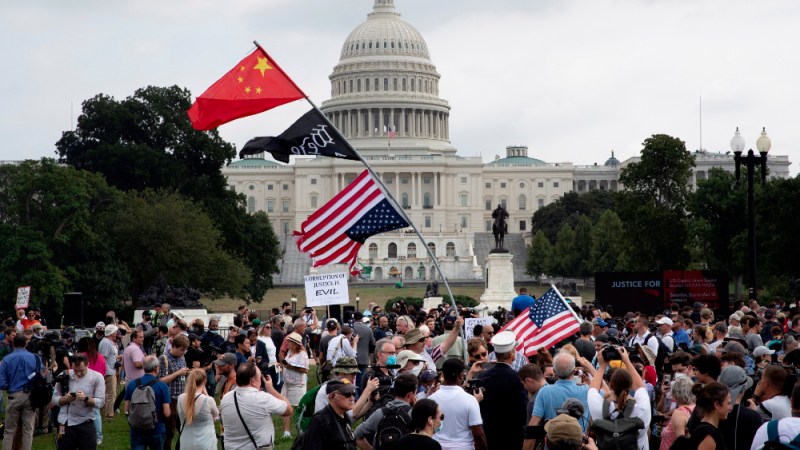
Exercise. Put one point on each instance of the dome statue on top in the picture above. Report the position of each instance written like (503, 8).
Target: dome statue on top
(385, 88)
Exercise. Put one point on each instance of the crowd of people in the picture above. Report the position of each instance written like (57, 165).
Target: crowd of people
(408, 377)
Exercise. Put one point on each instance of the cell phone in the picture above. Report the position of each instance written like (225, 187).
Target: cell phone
(487, 365)
(73, 394)
(667, 378)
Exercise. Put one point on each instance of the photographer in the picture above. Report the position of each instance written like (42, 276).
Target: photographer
(565, 433)
(84, 391)
(386, 362)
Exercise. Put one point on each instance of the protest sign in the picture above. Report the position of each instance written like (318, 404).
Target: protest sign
(469, 324)
(327, 289)
(23, 297)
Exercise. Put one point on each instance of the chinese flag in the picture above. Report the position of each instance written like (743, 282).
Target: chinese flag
(255, 85)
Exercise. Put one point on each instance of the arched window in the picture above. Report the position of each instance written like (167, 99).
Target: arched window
(404, 85)
(377, 273)
(523, 202)
(432, 247)
(412, 85)
(392, 250)
(358, 85)
(373, 250)
(411, 252)
(450, 249)
(251, 204)
(377, 84)
(385, 84)
(409, 273)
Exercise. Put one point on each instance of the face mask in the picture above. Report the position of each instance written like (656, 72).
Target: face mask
(214, 331)
(391, 360)
(550, 380)
(439, 428)
(416, 370)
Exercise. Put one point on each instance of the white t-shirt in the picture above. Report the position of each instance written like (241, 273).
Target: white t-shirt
(641, 410)
(779, 406)
(335, 351)
(461, 411)
(788, 428)
(256, 407)
(270, 348)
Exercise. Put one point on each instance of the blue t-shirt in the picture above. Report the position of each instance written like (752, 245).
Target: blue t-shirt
(161, 392)
(550, 397)
(521, 302)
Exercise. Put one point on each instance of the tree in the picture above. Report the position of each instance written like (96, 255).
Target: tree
(569, 209)
(51, 214)
(539, 253)
(608, 250)
(661, 173)
(562, 259)
(777, 210)
(147, 142)
(581, 254)
(164, 235)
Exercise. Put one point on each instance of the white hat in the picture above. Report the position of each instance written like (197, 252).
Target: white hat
(100, 326)
(179, 314)
(664, 321)
(407, 355)
(504, 342)
(110, 329)
(761, 351)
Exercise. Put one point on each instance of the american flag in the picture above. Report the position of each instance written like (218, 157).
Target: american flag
(546, 323)
(335, 232)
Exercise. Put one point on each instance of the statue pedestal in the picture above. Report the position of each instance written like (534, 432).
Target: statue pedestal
(431, 302)
(499, 281)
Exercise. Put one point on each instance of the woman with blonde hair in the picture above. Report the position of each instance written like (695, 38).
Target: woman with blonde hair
(196, 414)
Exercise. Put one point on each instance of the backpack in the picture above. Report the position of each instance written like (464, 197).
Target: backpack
(661, 356)
(142, 414)
(773, 439)
(41, 387)
(621, 433)
(393, 426)
(304, 410)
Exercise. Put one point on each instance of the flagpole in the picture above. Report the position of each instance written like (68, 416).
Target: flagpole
(383, 187)
(553, 287)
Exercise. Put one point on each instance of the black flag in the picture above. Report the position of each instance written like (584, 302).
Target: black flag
(311, 134)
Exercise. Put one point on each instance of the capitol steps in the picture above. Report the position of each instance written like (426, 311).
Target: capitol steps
(294, 265)
(514, 242)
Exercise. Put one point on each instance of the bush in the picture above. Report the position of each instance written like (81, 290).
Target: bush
(463, 300)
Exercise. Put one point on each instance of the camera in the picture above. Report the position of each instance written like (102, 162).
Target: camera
(611, 353)
(474, 386)
(309, 310)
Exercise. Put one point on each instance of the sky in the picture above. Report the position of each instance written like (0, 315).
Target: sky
(572, 80)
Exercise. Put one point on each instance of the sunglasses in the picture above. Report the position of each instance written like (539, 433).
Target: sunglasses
(480, 355)
(346, 394)
(441, 417)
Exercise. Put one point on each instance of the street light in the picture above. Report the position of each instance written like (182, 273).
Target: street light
(358, 301)
(763, 144)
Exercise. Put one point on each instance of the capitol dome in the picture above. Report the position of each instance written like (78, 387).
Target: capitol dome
(612, 162)
(385, 87)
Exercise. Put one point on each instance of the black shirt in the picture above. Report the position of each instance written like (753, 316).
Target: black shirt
(418, 442)
(744, 422)
(328, 430)
(704, 429)
(585, 349)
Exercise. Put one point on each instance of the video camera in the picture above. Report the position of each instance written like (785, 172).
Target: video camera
(474, 386)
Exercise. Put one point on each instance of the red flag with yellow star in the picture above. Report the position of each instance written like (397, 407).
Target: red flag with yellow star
(255, 85)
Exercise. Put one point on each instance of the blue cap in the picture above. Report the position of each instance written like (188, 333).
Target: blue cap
(600, 322)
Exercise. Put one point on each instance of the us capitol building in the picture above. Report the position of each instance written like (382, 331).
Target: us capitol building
(385, 83)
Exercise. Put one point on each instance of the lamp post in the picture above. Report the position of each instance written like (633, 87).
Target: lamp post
(294, 304)
(763, 144)
(358, 302)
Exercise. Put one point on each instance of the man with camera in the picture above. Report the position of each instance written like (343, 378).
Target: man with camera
(565, 433)
(405, 389)
(77, 399)
(386, 362)
(463, 428)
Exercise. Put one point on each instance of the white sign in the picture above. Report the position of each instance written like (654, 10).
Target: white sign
(327, 289)
(469, 324)
(23, 296)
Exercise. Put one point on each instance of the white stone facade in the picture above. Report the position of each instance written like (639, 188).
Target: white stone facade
(384, 99)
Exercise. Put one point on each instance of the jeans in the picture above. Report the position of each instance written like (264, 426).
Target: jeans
(98, 423)
(140, 441)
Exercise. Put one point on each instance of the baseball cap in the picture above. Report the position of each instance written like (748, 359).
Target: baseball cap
(737, 381)
(405, 356)
(100, 326)
(226, 359)
(339, 386)
(563, 428)
(110, 329)
(664, 321)
(346, 364)
(734, 347)
(600, 322)
(761, 351)
(37, 326)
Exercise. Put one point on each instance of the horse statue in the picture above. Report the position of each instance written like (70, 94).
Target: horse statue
(500, 226)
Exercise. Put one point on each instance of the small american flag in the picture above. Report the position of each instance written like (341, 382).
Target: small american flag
(546, 323)
(335, 232)
(391, 134)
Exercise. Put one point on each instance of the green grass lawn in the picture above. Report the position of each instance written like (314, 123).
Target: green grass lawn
(116, 435)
